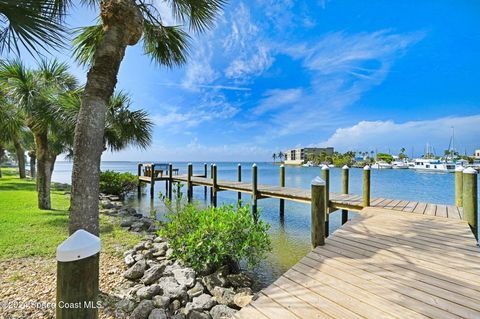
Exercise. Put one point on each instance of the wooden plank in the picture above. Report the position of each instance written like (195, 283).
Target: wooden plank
(430, 209)
(441, 211)
(420, 208)
(401, 205)
(410, 207)
(270, 308)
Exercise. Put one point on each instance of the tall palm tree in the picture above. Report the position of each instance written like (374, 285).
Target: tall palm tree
(281, 155)
(274, 156)
(123, 23)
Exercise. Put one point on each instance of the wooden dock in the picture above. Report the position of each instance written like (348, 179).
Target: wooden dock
(381, 264)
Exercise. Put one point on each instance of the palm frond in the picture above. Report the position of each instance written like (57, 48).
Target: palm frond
(86, 42)
(166, 45)
(199, 14)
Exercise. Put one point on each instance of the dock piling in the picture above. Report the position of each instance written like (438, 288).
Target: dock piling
(239, 179)
(318, 212)
(170, 181)
(470, 199)
(189, 182)
(214, 184)
(345, 180)
(366, 186)
(205, 174)
(211, 188)
(326, 178)
(152, 180)
(139, 185)
(282, 184)
(254, 191)
(459, 186)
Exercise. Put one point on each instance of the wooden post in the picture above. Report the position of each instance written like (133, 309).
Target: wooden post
(139, 185)
(345, 177)
(470, 199)
(239, 179)
(78, 276)
(189, 182)
(282, 184)
(366, 186)
(205, 174)
(170, 180)
(152, 181)
(459, 186)
(326, 178)
(318, 214)
(214, 185)
(211, 188)
(254, 191)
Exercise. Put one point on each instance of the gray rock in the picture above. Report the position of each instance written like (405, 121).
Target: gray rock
(126, 305)
(242, 299)
(129, 260)
(178, 316)
(128, 252)
(172, 289)
(106, 204)
(153, 274)
(240, 280)
(224, 296)
(175, 305)
(202, 302)
(196, 291)
(185, 276)
(132, 292)
(245, 290)
(169, 252)
(170, 268)
(196, 314)
(221, 312)
(143, 310)
(161, 301)
(136, 271)
(139, 246)
(158, 314)
(131, 210)
(161, 247)
(148, 292)
(218, 278)
(139, 226)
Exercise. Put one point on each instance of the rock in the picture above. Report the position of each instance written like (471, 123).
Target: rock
(185, 276)
(175, 305)
(126, 305)
(139, 246)
(153, 274)
(170, 268)
(148, 292)
(138, 226)
(106, 204)
(129, 260)
(161, 301)
(196, 291)
(224, 296)
(161, 247)
(158, 314)
(128, 221)
(240, 280)
(245, 290)
(202, 302)
(195, 314)
(242, 299)
(131, 210)
(178, 316)
(136, 271)
(143, 310)
(169, 252)
(218, 278)
(172, 289)
(132, 292)
(221, 312)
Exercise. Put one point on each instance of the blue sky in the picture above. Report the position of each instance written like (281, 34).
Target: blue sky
(273, 75)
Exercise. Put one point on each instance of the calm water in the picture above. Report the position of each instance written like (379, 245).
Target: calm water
(291, 238)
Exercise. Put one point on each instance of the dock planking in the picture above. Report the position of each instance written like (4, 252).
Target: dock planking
(383, 263)
(337, 201)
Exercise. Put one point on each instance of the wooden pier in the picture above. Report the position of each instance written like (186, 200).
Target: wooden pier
(395, 259)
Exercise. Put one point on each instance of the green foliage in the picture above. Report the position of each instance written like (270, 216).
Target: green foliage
(384, 157)
(207, 238)
(115, 183)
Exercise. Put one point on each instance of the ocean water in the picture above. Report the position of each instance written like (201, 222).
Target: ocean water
(291, 236)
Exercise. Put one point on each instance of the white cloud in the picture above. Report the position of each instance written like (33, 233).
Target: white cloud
(275, 99)
(386, 135)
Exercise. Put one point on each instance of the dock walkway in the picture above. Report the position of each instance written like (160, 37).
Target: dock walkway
(381, 264)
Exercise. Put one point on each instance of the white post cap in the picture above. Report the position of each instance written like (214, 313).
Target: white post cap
(345, 167)
(239, 164)
(81, 244)
(459, 168)
(318, 181)
(282, 165)
(366, 168)
(470, 170)
(254, 165)
(325, 167)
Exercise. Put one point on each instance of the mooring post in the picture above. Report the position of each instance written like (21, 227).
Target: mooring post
(139, 185)
(366, 186)
(470, 199)
(239, 179)
(326, 178)
(205, 174)
(152, 180)
(78, 276)
(211, 188)
(170, 180)
(254, 191)
(214, 185)
(459, 186)
(345, 177)
(318, 215)
(189, 182)
(282, 184)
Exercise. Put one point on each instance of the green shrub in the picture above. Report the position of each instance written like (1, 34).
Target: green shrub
(115, 183)
(208, 238)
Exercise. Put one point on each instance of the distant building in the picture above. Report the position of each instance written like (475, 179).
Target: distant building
(477, 154)
(299, 156)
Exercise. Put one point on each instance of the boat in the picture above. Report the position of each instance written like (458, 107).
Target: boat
(382, 165)
(433, 165)
(308, 164)
(399, 164)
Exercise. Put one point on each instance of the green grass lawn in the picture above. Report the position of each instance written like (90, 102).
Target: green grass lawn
(27, 231)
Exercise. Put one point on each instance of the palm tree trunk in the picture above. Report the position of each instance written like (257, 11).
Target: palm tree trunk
(33, 163)
(123, 26)
(44, 174)
(20, 158)
(2, 153)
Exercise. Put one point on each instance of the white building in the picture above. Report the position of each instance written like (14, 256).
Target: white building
(477, 154)
(299, 156)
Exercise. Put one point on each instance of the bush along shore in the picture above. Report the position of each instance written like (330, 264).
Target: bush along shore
(160, 286)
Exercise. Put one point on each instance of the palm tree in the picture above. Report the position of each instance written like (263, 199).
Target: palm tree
(123, 23)
(274, 156)
(280, 156)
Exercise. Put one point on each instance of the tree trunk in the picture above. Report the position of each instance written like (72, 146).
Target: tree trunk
(33, 163)
(20, 158)
(44, 170)
(122, 23)
(2, 152)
